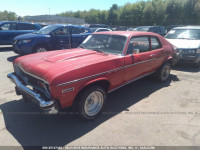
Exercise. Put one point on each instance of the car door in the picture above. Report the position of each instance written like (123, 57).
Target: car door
(23, 28)
(78, 36)
(7, 33)
(139, 60)
(60, 39)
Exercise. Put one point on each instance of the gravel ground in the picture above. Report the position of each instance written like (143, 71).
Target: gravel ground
(142, 113)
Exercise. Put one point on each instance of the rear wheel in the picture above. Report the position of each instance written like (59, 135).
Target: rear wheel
(91, 102)
(163, 72)
(40, 49)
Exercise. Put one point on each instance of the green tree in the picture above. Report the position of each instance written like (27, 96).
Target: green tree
(113, 15)
(148, 14)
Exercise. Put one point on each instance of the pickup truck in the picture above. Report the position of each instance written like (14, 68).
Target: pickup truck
(53, 37)
(83, 76)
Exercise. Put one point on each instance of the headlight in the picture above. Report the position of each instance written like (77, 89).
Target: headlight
(24, 41)
(198, 51)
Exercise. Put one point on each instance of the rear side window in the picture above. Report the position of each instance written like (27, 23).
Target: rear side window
(138, 45)
(8, 26)
(24, 26)
(155, 43)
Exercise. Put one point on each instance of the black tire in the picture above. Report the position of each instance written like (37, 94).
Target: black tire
(163, 72)
(84, 98)
(39, 49)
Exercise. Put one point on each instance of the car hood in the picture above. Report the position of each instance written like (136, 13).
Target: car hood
(29, 36)
(185, 44)
(73, 64)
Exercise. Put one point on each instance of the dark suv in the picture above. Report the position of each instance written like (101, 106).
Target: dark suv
(155, 29)
(11, 29)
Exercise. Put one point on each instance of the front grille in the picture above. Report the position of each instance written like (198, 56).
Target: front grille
(34, 82)
(188, 51)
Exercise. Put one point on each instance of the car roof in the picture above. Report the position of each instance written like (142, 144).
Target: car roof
(68, 25)
(127, 33)
(188, 27)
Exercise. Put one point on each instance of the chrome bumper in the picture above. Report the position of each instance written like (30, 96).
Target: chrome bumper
(45, 105)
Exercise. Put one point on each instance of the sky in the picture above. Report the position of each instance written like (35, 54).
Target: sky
(41, 7)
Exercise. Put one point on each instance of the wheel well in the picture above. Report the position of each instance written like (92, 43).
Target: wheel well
(103, 83)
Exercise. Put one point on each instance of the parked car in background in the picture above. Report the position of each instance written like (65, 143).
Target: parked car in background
(130, 29)
(99, 29)
(53, 37)
(11, 29)
(121, 28)
(155, 29)
(83, 76)
(187, 40)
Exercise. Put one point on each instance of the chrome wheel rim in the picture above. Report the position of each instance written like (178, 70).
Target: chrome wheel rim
(39, 50)
(94, 103)
(165, 72)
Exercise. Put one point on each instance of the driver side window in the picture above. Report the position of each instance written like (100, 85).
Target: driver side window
(61, 32)
(138, 45)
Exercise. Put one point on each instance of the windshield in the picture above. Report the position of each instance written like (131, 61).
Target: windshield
(190, 34)
(105, 43)
(47, 29)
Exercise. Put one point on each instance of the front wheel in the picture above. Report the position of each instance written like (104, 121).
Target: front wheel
(40, 49)
(163, 72)
(91, 102)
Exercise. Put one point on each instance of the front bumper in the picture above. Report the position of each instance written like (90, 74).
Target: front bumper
(21, 89)
(22, 49)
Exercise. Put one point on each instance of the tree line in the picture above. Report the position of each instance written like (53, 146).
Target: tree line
(6, 15)
(151, 12)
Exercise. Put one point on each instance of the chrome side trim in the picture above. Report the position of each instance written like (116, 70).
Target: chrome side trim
(37, 97)
(34, 76)
(77, 80)
(139, 63)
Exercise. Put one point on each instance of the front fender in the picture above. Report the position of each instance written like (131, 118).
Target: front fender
(94, 81)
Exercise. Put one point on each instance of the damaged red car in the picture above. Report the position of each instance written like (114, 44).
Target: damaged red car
(82, 77)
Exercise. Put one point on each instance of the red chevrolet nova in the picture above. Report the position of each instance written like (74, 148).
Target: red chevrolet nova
(82, 77)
